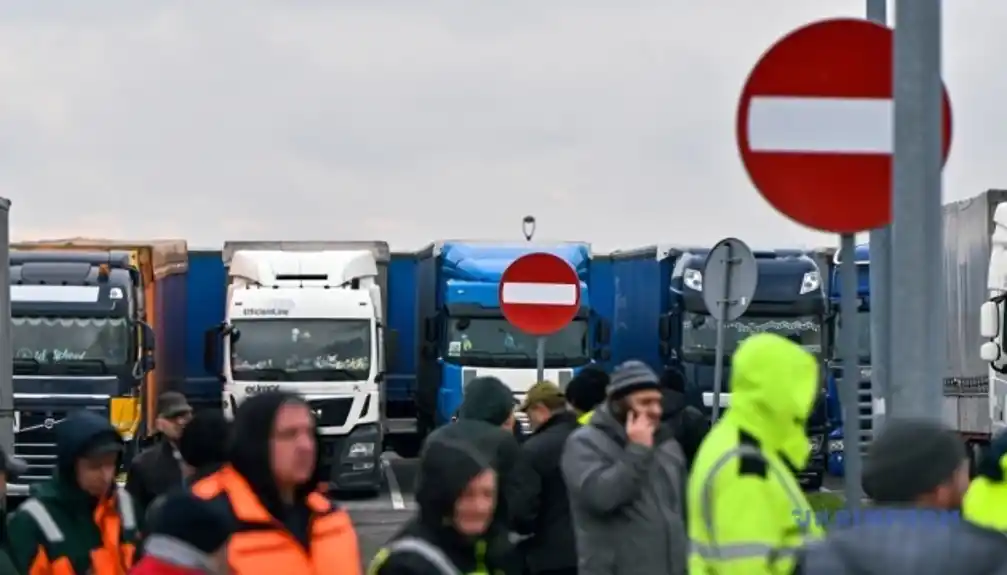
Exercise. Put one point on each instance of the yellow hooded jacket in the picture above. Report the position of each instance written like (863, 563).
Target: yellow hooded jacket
(747, 513)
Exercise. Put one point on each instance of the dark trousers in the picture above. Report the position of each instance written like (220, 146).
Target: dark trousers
(570, 571)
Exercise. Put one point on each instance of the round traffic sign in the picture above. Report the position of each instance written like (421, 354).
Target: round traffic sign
(539, 293)
(814, 125)
(730, 276)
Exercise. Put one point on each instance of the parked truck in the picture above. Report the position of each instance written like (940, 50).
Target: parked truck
(309, 317)
(865, 399)
(661, 319)
(466, 336)
(96, 324)
(403, 361)
(207, 287)
(601, 284)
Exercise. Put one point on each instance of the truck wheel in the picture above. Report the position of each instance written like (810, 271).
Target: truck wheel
(815, 482)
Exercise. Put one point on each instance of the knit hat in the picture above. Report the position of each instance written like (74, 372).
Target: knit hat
(631, 376)
(192, 521)
(910, 458)
(204, 439)
(587, 389)
(487, 399)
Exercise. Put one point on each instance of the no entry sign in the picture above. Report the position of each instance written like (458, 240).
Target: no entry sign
(814, 125)
(539, 293)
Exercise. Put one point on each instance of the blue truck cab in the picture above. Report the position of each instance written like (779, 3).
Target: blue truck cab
(79, 341)
(465, 335)
(864, 399)
(207, 282)
(661, 319)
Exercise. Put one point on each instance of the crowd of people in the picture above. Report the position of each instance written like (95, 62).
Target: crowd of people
(618, 476)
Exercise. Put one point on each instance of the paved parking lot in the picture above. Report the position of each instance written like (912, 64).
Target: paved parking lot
(377, 519)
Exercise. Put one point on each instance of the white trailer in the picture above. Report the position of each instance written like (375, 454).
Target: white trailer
(308, 317)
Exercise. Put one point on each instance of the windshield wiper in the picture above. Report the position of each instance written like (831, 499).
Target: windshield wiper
(265, 373)
(87, 364)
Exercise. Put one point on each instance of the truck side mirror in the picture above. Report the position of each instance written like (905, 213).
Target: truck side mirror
(430, 329)
(664, 349)
(603, 354)
(147, 364)
(603, 333)
(989, 320)
(429, 351)
(147, 337)
(664, 327)
(211, 339)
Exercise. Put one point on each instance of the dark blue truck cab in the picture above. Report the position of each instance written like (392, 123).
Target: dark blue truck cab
(660, 318)
(78, 343)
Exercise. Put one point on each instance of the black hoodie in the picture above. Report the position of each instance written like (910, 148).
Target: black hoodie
(249, 455)
(446, 468)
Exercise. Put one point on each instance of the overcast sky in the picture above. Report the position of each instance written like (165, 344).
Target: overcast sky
(410, 121)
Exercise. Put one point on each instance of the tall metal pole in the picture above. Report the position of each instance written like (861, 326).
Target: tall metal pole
(540, 360)
(916, 231)
(718, 357)
(880, 289)
(850, 384)
(6, 351)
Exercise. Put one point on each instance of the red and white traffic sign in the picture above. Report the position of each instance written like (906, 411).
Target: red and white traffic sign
(815, 129)
(539, 293)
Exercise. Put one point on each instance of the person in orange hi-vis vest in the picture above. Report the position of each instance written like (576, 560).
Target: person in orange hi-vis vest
(280, 523)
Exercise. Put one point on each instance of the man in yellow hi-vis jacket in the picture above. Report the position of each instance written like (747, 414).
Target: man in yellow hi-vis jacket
(747, 513)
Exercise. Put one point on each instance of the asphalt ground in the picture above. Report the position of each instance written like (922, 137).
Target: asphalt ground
(377, 519)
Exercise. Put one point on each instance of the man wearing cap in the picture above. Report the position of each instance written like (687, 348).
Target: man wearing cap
(626, 482)
(79, 521)
(158, 469)
(551, 548)
(916, 473)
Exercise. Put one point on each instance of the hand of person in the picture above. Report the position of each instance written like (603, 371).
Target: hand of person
(640, 429)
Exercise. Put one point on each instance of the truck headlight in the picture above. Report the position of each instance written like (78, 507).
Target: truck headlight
(693, 279)
(836, 446)
(811, 282)
(361, 449)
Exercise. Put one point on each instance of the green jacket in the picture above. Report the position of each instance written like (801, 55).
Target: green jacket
(60, 522)
(6, 565)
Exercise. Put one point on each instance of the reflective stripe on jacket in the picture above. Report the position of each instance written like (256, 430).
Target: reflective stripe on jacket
(584, 418)
(430, 553)
(262, 545)
(115, 518)
(760, 534)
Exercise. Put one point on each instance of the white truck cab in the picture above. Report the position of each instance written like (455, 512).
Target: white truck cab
(993, 321)
(311, 322)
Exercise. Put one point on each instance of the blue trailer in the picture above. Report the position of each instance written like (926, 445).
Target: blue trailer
(661, 319)
(400, 381)
(864, 399)
(207, 287)
(96, 325)
(466, 336)
(601, 284)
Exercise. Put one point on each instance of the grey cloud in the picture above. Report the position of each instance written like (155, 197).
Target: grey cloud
(413, 121)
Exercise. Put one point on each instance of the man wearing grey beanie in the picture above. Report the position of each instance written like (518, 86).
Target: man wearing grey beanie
(916, 474)
(624, 476)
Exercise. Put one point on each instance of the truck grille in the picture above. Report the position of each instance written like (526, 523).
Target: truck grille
(35, 443)
(865, 401)
(332, 412)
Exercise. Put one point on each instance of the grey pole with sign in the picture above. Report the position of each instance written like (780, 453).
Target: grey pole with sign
(730, 276)
(528, 225)
(7, 417)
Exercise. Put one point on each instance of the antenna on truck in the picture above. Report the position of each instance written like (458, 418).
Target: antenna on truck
(528, 227)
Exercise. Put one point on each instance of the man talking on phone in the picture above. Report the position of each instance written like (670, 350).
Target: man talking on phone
(625, 478)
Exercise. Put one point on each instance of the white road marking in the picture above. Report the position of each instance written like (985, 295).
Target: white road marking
(820, 125)
(539, 293)
(398, 503)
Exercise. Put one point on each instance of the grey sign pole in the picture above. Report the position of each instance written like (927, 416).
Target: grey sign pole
(540, 360)
(730, 275)
(880, 289)
(6, 360)
(917, 390)
(850, 357)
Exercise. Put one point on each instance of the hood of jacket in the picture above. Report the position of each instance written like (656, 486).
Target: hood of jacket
(920, 546)
(446, 468)
(78, 432)
(249, 452)
(774, 383)
(487, 399)
(672, 403)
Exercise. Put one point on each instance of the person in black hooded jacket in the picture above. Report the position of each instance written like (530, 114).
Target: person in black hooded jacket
(687, 424)
(453, 532)
(267, 489)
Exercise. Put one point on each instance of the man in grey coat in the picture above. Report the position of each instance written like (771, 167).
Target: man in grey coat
(625, 477)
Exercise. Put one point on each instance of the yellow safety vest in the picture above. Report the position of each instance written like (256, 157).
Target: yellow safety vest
(585, 417)
(759, 554)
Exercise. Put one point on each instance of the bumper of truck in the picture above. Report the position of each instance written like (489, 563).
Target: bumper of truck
(352, 462)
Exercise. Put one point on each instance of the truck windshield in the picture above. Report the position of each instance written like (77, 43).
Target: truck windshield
(699, 333)
(863, 336)
(474, 341)
(50, 340)
(302, 349)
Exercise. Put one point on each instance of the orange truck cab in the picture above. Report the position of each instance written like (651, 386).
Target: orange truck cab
(96, 324)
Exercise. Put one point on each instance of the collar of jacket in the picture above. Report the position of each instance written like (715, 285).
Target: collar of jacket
(556, 419)
(175, 552)
(603, 419)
